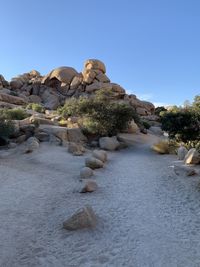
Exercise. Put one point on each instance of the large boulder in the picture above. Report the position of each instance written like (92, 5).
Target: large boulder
(109, 143)
(88, 76)
(3, 82)
(16, 83)
(101, 77)
(97, 86)
(62, 74)
(58, 131)
(93, 163)
(192, 157)
(148, 106)
(12, 99)
(50, 100)
(83, 218)
(94, 64)
(182, 152)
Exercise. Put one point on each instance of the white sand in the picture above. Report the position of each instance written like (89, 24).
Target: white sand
(147, 215)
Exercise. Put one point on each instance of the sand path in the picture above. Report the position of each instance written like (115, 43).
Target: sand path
(147, 215)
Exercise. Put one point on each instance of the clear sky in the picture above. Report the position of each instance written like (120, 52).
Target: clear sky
(150, 47)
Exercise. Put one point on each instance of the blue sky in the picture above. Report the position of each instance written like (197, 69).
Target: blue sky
(150, 47)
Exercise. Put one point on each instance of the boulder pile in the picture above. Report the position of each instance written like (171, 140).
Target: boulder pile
(62, 83)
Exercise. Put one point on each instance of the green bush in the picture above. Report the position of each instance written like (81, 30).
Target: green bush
(36, 107)
(13, 114)
(182, 124)
(159, 109)
(6, 128)
(146, 124)
(99, 115)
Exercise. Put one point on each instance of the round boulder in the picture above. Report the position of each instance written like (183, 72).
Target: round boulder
(86, 172)
(62, 74)
(100, 154)
(95, 64)
(109, 143)
(93, 163)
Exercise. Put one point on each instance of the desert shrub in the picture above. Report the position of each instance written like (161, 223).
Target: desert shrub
(36, 107)
(159, 109)
(13, 114)
(193, 144)
(182, 124)
(146, 124)
(99, 115)
(6, 128)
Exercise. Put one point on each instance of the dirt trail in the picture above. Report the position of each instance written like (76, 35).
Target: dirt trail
(147, 215)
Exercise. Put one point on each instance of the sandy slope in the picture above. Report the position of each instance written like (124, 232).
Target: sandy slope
(147, 215)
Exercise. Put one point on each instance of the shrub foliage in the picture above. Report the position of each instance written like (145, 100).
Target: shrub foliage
(182, 124)
(100, 115)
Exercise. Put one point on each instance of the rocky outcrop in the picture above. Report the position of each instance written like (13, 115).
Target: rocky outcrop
(62, 83)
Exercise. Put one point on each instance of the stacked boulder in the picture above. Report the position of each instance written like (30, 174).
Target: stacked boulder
(62, 83)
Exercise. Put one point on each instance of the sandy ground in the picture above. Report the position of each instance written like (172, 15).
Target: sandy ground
(148, 217)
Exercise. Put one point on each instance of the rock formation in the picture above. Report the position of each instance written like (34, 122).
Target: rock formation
(62, 83)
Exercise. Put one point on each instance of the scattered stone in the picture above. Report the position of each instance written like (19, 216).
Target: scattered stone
(83, 218)
(184, 170)
(31, 144)
(93, 163)
(192, 157)
(182, 152)
(100, 154)
(86, 172)
(75, 149)
(109, 143)
(89, 186)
